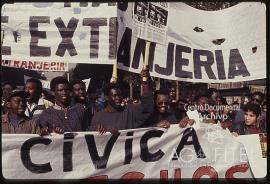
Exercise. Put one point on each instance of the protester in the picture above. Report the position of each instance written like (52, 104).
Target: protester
(212, 95)
(62, 116)
(205, 113)
(250, 125)
(256, 98)
(15, 121)
(35, 103)
(80, 96)
(7, 88)
(180, 111)
(161, 116)
(116, 117)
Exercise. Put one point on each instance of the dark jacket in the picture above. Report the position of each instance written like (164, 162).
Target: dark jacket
(25, 126)
(133, 116)
(70, 120)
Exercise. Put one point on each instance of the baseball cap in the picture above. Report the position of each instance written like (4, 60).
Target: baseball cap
(18, 92)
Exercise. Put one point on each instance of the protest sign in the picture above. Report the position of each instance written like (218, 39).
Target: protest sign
(59, 32)
(129, 154)
(201, 46)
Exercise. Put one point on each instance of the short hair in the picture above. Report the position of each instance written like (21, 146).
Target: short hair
(257, 93)
(109, 86)
(76, 81)
(255, 108)
(161, 92)
(58, 80)
(9, 83)
(37, 82)
(210, 92)
(196, 99)
(182, 100)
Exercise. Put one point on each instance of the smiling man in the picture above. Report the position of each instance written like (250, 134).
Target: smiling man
(63, 116)
(35, 103)
(79, 95)
(117, 117)
(15, 121)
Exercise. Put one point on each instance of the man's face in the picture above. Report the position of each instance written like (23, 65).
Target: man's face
(115, 98)
(7, 89)
(79, 92)
(202, 103)
(181, 105)
(162, 103)
(17, 105)
(31, 88)
(215, 95)
(250, 118)
(256, 99)
(62, 93)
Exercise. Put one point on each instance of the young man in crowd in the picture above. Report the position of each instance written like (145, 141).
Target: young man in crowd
(161, 116)
(15, 121)
(35, 103)
(62, 116)
(250, 125)
(80, 96)
(116, 117)
(7, 88)
(256, 98)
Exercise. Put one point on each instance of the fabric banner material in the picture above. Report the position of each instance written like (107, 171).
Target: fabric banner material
(227, 45)
(130, 154)
(59, 32)
(36, 65)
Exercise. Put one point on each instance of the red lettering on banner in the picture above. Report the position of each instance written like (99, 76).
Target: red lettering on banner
(46, 66)
(163, 176)
(177, 175)
(40, 65)
(101, 177)
(24, 64)
(31, 65)
(132, 176)
(234, 169)
(16, 64)
(62, 66)
(205, 170)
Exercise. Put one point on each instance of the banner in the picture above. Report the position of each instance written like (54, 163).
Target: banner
(173, 153)
(227, 45)
(36, 65)
(59, 32)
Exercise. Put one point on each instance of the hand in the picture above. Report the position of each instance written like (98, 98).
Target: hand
(58, 130)
(145, 73)
(211, 121)
(235, 134)
(163, 124)
(44, 131)
(186, 121)
(101, 129)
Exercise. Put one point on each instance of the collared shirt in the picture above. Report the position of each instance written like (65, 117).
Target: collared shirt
(34, 110)
(25, 126)
(69, 119)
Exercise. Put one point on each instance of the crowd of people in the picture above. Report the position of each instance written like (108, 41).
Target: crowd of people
(68, 108)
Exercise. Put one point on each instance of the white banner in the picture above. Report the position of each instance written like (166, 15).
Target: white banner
(59, 32)
(130, 154)
(227, 45)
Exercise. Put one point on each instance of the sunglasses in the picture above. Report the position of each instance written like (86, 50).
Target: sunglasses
(257, 100)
